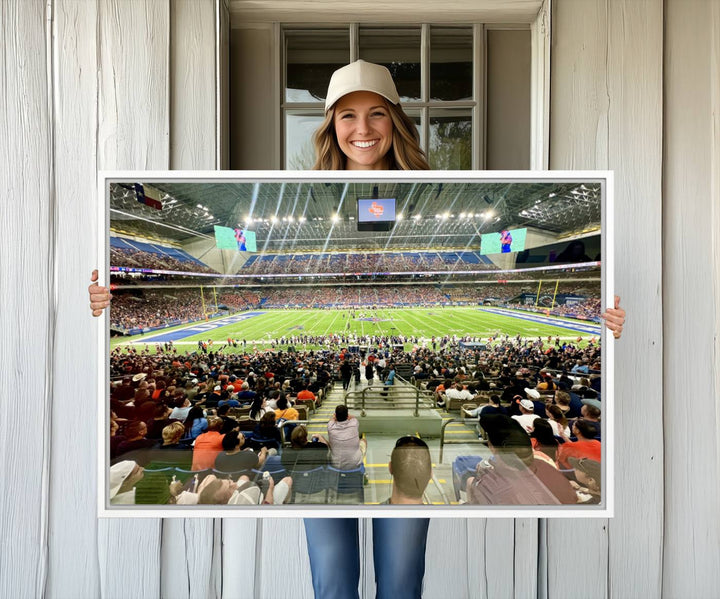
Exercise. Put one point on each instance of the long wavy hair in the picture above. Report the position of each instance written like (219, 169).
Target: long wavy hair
(405, 153)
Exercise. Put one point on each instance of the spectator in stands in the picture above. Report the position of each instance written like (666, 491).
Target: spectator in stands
(303, 454)
(492, 407)
(266, 429)
(586, 445)
(369, 372)
(588, 474)
(527, 414)
(208, 445)
(195, 423)
(246, 395)
(237, 456)
(457, 391)
(180, 412)
(160, 420)
(222, 491)
(171, 451)
(258, 408)
(590, 413)
(136, 444)
(513, 476)
(344, 439)
(558, 422)
(305, 395)
(229, 424)
(544, 443)
(115, 438)
(346, 374)
(212, 400)
(249, 493)
(230, 398)
(410, 466)
(284, 411)
(123, 478)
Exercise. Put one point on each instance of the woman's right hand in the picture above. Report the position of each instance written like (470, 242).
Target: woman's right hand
(99, 296)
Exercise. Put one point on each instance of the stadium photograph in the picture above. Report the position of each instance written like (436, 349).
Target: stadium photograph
(355, 342)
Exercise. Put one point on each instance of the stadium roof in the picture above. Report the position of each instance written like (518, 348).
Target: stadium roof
(311, 216)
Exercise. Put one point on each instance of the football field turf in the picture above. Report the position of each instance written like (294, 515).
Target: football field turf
(262, 327)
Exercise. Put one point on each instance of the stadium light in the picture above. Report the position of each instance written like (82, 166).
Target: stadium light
(416, 217)
(463, 215)
(335, 218)
(302, 219)
(273, 219)
(399, 216)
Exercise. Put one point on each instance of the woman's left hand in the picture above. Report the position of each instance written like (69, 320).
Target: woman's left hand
(614, 318)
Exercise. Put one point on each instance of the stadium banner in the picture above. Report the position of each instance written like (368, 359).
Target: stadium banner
(366, 344)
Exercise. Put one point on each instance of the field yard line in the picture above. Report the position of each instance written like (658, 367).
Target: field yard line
(332, 322)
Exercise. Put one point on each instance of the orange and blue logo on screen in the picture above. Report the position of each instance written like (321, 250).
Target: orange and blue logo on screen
(376, 210)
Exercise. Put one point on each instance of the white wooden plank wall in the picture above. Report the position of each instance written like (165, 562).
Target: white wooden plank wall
(73, 566)
(133, 85)
(133, 132)
(191, 560)
(690, 286)
(26, 277)
(606, 112)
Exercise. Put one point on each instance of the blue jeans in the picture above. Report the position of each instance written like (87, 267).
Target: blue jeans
(398, 553)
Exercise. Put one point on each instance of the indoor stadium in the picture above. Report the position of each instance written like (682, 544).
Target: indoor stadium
(268, 316)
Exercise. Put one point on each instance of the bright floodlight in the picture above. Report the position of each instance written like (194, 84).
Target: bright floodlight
(335, 218)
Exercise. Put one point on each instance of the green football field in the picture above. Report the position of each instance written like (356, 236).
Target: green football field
(268, 325)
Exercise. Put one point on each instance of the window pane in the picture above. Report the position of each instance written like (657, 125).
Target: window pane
(299, 149)
(450, 139)
(451, 56)
(311, 57)
(398, 50)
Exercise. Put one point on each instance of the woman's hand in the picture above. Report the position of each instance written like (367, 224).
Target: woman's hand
(614, 318)
(99, 296)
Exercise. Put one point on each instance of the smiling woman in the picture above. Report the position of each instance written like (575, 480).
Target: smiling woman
(365, 128)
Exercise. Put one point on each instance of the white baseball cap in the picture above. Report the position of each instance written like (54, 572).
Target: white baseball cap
(361, 76)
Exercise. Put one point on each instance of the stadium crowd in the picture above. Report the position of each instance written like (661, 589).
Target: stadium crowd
(362, 262)
(157, 261)
(172, 408)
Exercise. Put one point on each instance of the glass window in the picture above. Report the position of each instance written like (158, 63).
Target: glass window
(299, 149)
(310, 59)
(451, 63)
(399, 51)
(450, 146)
(435, 71)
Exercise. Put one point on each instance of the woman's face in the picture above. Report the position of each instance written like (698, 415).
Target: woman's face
(364, 130)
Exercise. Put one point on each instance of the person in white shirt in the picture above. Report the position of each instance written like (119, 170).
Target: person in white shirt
(528, 415)
(458, 392)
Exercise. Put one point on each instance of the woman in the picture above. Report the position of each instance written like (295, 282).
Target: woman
(195, 423)
(365, 129)
(258, 408)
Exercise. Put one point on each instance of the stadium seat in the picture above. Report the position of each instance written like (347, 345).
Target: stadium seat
(310, 486)
(346, 486)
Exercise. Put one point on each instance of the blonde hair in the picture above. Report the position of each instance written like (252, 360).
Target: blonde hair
(405, 153)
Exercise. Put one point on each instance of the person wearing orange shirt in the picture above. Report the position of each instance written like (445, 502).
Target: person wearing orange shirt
(586, 445)
(208, 445)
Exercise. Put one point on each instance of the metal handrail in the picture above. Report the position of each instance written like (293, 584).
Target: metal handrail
(442, 434)
(408, 389)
